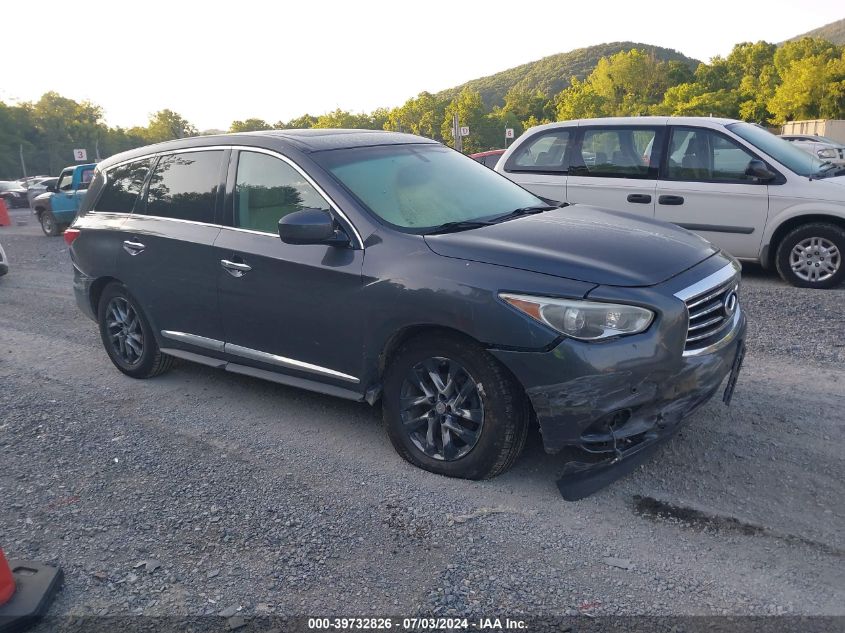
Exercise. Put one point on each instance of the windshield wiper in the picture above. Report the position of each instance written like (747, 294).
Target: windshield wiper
(461, 225)
(518, 213)
(465, 225)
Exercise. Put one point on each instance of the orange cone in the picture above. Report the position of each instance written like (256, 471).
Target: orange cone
(4, 214)
(7, 581)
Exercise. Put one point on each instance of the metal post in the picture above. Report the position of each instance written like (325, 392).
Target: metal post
(459, 140)
(23, 164)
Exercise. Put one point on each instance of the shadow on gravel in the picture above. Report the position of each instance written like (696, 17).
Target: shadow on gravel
(655, 510)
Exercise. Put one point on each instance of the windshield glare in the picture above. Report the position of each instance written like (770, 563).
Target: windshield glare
(419, 187)
(784, 152)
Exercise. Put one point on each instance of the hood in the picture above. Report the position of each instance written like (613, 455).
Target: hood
(582, 243)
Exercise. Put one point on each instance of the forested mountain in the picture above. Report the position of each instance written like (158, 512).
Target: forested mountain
(552, 74)
(833, 32)
(757, 81)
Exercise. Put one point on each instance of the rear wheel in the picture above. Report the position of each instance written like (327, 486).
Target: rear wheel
(48, 223)
(811, 256)
(452, 409)
(127, 336)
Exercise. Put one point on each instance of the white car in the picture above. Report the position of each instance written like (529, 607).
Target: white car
(821, 146)
(744, 189)
(4, 263)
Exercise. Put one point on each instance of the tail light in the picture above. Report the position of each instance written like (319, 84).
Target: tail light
(70, 235)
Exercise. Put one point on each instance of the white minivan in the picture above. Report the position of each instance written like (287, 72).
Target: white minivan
(744, 189)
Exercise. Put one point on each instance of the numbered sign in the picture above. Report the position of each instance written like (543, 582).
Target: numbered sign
(80, 154)
(464, 130)
(509, 132)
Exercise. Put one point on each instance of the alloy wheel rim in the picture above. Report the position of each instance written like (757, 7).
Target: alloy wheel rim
(124, 330)
(815, 259)
(441, 409)
(47, 223)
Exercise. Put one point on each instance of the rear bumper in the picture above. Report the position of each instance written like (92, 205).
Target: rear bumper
(615, 399)
(82, 291)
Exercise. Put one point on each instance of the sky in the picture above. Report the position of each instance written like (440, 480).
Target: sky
(214, 62)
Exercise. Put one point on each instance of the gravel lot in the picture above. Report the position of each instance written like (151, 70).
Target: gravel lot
(203, 492)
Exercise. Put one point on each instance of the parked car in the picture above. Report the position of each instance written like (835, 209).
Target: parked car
(28, 180)
(38, 186)
(747, 191)
(488, 158)
(476, 300)
(13, 195)
(4, 262)
(824, 148)
(58, 209)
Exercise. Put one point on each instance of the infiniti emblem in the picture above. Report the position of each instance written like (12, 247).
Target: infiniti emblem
(729, 303)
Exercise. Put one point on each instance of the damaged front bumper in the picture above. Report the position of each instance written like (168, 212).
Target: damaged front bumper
(615, 399)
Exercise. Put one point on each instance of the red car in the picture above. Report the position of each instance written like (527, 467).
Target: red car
(489, 158)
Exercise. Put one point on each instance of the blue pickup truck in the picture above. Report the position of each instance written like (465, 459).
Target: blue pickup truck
(57, 208)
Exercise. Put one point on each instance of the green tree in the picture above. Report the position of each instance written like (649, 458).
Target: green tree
(422, 115)
(629, 82)
(250, 125)
(580, 101)
(811, 88)
(299, 123)
(165, 125)
(470, 110)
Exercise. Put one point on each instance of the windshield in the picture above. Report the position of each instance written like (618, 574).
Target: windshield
(420, 187)
(784, 152)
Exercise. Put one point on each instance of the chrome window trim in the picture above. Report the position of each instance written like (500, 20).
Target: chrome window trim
(720, 277)
(194, 339)
(158, 217)
(282, 361)
(247, 148)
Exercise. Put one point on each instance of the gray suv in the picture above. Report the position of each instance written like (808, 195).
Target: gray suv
(385, 267)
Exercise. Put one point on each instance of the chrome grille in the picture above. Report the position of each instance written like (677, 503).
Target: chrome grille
(713, 308)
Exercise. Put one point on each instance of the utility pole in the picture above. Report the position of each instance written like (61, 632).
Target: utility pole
(23, 164)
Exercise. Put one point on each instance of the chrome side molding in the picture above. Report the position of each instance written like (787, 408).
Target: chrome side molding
(256, 355)
(289, 363)
(193, 339)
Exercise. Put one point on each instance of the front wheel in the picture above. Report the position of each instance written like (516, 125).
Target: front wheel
(49, 224)
(127, 336)
(451, 408)
(810, 256)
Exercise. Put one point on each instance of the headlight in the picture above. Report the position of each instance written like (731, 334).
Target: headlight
(826, 153)
(584, 320)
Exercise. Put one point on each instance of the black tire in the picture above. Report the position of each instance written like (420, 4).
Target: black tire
(798, 270)
(140, 361)
(503, 405)
(48, 223)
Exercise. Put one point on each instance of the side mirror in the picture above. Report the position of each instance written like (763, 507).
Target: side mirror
(51, 188)
(311, 226)
(758, 169)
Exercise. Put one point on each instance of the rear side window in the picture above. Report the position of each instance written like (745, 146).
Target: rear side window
(618, 153)
(85, 178)
(268, 189)
(184, 186)
(123, 186)
(545, 152)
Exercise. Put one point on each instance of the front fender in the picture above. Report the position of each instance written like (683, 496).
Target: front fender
(799, 209)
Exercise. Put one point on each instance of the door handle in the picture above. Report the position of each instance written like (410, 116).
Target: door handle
(236, 269)
(133, 248)
(639, 198)
(671, 200)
